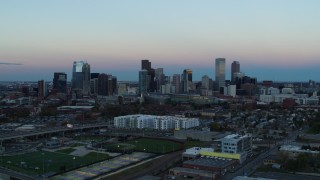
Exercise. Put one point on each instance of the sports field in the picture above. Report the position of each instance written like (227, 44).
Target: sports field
(145, 145)
(42, 162)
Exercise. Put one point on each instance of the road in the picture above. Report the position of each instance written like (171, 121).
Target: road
(21, 134)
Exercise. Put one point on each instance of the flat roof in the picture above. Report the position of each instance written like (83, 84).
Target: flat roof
(192, 171)
(75, 107)
(211, 162)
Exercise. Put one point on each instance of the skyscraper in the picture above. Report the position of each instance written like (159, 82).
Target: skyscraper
(143, 81)
(235, 68)
(105, 85)
(187, 80)
(41, 89)
(146, 65)
(205, 82)
(176, 82)
(86, 79)
(220, 73)
(159, 78)
(81, 77)
(60, 82)
(94, 83)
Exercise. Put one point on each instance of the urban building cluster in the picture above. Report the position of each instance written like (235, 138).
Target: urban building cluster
(275, 95)
(155, 122)
(83, 83)
(155, 81)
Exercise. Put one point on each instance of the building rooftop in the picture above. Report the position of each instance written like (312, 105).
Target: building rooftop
(293, 148)
(211, 162)
(191, 171)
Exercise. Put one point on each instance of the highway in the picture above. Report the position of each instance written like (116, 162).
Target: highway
(5, 135)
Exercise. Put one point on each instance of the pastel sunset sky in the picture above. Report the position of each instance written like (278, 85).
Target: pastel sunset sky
(272, 39)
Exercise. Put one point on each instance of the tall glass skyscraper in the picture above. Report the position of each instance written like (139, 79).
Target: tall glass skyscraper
(220, 73)
(81, 77)
(143, 81)
(235, 68)
(187, 80)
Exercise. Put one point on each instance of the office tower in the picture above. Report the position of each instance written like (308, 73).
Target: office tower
(41, 89)
(114, 85)
(60, 82)
(94, 75)
(176, 82)
(86, 79)
(205, 82)
(143, 81)
(235, 68)
(146, 65)
(220, 73)
(159, 78)
(110, 86)
(94, 83)
(103, 84)
(187, 80)
(81, 77)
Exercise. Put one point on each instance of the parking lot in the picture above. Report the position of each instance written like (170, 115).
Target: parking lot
(104, 167)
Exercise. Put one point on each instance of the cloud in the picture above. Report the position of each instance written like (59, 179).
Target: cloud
(5, 63)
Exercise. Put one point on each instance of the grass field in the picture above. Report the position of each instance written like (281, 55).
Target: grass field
(43, 161)
(145, 145)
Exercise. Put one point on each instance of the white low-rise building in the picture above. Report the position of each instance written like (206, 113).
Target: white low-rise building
(273, 95)
(141, 121)
(235, 143)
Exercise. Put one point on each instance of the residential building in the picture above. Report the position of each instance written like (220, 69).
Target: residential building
(155, 122)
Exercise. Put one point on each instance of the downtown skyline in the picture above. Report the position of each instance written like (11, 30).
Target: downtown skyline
(272, 40)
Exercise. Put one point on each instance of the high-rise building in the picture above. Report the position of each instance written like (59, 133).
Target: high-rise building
(41, 89)
(103, 82)
(86, 79)
(143, 81)
(187, 80)
(94, 75)
(81, 77)
(60, 82)
(176, 82)
(94, 83)
(220, 72)
(114, 85)
(146, 65)
(235, 68)
(205, 82)
(159, 78)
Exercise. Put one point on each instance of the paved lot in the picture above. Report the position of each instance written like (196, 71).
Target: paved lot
(104, 167)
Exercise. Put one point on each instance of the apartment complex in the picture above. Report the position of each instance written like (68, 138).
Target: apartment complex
(141, 121)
